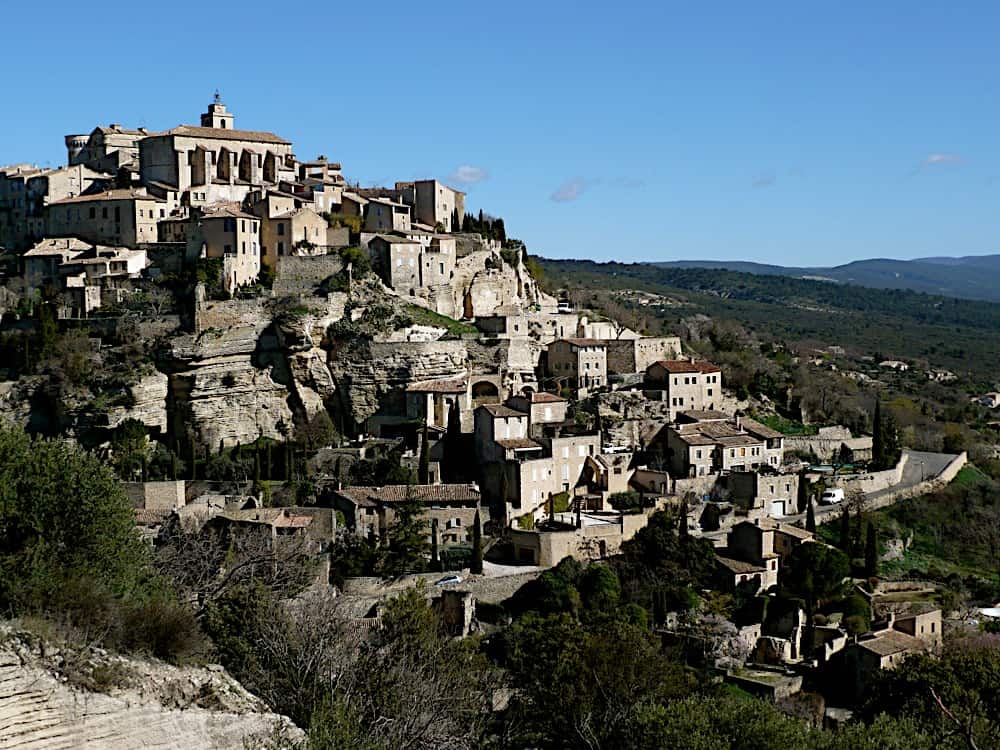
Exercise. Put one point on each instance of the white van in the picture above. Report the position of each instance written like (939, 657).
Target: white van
(832, 497)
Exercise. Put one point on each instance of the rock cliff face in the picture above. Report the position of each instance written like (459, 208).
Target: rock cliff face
(370, 376)
(140, 704)
(149, 403)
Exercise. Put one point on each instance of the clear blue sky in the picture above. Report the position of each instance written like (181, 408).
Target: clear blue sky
(787, 132)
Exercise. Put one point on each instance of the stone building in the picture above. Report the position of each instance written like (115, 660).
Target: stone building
(385, 215)
(701, 443)
(106, 149)
(433, 203)
(121, 217)
(631, 355)
(370, 511)
(578, 363)
(688, 386)
(214, 161)
(227, 232)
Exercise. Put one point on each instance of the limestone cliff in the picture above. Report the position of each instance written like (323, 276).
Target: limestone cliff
(61, 698)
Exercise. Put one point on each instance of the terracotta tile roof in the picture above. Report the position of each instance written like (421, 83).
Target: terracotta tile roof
(226, 134)
(227, 212)
(449, 385)
(144, 517)
(499, 410)
(702, 415)
(760, 430)
(738, 566)
(681, 366)
(541, 397)
(891, 642)
(397, 493)
(109, 195)
(518, 444)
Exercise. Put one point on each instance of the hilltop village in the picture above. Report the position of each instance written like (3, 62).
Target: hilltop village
(374, 375)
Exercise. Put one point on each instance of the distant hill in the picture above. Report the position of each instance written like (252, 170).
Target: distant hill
(968, 277)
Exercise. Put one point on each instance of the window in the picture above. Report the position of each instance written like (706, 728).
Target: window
(243, 248)
(743, 451)
(697, 454)
(227, 249)
(93, 212)
(243, 225)
(281, 229)
(281, 248)
(581, 450)
(104, 212)
(709, 391)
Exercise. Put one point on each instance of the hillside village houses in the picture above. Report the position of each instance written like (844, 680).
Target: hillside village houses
(524, 396)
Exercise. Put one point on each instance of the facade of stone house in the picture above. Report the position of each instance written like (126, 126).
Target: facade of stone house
(578, 363)
(385, 215)
(689, 386)
(231, 234)
(433, 202)
(542, 408)
(300, 231)
(774, 494)
(396, 260)
(123, 218)
(632, 355)
(431, 401)
(370, 511)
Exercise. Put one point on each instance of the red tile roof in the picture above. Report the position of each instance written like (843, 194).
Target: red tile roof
(681, 366)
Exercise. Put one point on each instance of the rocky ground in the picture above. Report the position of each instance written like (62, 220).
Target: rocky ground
(54, 697)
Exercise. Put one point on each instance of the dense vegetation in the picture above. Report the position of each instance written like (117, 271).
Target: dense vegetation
(953, 333)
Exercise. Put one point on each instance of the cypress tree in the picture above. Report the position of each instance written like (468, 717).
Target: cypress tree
(423, 466)
(857, 542)
(256, 465)
(845, 531)
(477, 546)
(452, 445)
(435, 559)
(267, 461)
(878, 437)
(503, 486)
(173, 466)
(802, 499)
(810, 516)
(871, 551)
(682, 520)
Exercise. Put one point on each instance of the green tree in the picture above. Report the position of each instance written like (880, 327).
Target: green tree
(871, 551)
(407, 546)
(626, 502)
(845, 531)
(805, 492)
(63, 516)
(878, 438)
(810, 516)
(435, 558)
(476, 566)
(815, 573)
(129, 449)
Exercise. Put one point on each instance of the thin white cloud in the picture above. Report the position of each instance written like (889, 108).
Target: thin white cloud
(466, 174)
(763, 180)
(570, 190)
(933, 160)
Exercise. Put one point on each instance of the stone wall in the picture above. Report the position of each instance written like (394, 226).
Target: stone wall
(298, 275)
(823, 444)
(635, 355)
(156, 495)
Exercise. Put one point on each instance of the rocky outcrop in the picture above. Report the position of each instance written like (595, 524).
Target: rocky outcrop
(148, 403)
(372, 376)
(62, 698)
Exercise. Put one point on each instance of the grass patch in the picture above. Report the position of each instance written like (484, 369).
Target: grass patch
(424, 317)
(970, 475)
(787, 426)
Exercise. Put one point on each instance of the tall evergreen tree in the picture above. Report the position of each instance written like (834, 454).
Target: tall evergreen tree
(810, 516)
(424, 463)
(857, 541)
(435, 558)
(476, 566)
(871, 551)
(845, 531)
(878, 437)
(453, 446)
(804, 491)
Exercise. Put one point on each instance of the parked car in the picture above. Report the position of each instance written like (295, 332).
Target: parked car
(832, 497)
(448, 580)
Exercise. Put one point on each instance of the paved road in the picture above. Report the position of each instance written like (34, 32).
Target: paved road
(920, 466)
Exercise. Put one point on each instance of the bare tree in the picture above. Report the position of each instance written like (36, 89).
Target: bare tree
(206, 565)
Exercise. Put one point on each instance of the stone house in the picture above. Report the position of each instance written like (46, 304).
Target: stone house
(578, 363)
(915, 630)
(632, 355)
(688, 386)
(856, 450)
(385, 215)
(397, 261)
(701, 443)
(542, 408)
(595, 540)
(433, 202)
(754, 552)
(121, 217)
(227, 232)
(369, 511)
(774, 494)
(299, 231)
(494, 423)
